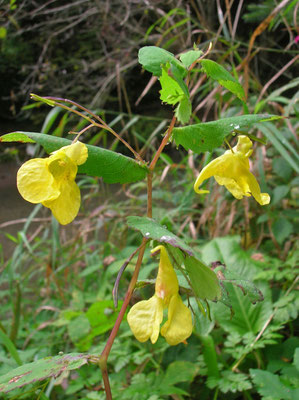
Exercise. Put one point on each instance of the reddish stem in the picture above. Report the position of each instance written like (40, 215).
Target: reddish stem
(106, 351)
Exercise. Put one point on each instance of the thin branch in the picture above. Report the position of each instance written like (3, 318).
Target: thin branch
(163, 144)
(102, 125)
(106, 351)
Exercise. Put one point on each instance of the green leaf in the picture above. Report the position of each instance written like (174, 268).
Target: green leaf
(230, 382)
(16, 137)
(112, 167)
(171, 92)
(3, 32)
(238, 265)
(296, 359)
(206, 136)
(248, 288)
(223, 77)
(204, 281)
(247, 317)
(270, 385)
(101, 317)
(187, 371)
(282, 168)
(5, 340)
(102, 312)
(282, 229)
(189, 57)
(183, 110)
(41, 369)
(228, 251)
(174, 90)
(78, 328)
(210, 355)
(279, 193)
(151, 229)
(152, 58)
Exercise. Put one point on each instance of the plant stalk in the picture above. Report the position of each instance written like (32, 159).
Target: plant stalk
(107, 349)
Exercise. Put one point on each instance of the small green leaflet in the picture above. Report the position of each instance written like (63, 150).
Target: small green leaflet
(152, 58)
(203, 280)
(223, 77)
(42, 369)
(206, 136)
(112, 167)
(16, 137)
(189, 57)
(174, 90)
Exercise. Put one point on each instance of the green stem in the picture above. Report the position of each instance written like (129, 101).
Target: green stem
(210, 356)
(16, 314)
(216, 394)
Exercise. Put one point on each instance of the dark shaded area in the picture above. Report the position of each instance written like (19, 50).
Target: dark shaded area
(86, 50)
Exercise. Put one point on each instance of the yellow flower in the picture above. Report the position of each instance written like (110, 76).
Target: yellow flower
(51, 181)
(232, 170)
(146, 316)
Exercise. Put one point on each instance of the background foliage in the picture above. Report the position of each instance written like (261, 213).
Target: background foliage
(56, 285)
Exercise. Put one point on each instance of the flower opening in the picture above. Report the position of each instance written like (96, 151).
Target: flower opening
(232, 171)
(51, 181)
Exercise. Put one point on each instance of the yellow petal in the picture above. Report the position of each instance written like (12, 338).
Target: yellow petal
(62, 168)
(232, 186)
(77, 152)
(220, 167)
(261, 198)
(35, 182)
(232, 170)
(145, 318)
(65, 208)
(167, 282)
(178, 327)
(244, 146)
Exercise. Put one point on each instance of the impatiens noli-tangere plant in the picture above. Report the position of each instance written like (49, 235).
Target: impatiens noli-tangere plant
(51, 182)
